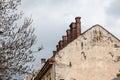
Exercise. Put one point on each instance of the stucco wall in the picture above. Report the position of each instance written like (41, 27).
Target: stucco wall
(94, 55)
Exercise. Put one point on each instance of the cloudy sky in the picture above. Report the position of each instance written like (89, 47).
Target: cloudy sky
(51, 18)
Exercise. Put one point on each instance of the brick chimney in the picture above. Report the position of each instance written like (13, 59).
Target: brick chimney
(57, 46)
(78, 25)
(73, 30)
(72, 33)
(60, 44)
(43, 60)
(54, 53)
(64, 40)
(68, 36)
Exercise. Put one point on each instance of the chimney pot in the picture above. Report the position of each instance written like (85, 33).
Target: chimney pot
(73, 25)
(78, 25)
(68, 31)
(73, 30)
(64, 40)
(77, 19)
(43, 60)
(60, 44)
(57, 46)
(68, 36)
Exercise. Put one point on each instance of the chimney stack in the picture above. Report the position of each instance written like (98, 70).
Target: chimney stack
(68, 36)
(54, 52)
(78, 25)
(72, 33)
(60, 44)
(73, 30)
(64, 40)
(43, 60)
(57, 46)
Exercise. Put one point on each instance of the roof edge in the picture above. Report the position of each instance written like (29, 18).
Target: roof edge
(102, 28)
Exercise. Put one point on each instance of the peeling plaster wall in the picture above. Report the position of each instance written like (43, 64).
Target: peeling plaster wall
(94, 55)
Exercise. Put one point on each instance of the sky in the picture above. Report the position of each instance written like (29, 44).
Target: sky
(51, 19)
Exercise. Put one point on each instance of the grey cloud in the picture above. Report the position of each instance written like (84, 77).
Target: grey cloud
(114, 9)
(31, 3)
(112, 18)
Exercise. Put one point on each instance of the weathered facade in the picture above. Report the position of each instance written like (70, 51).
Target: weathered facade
(91, 55)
